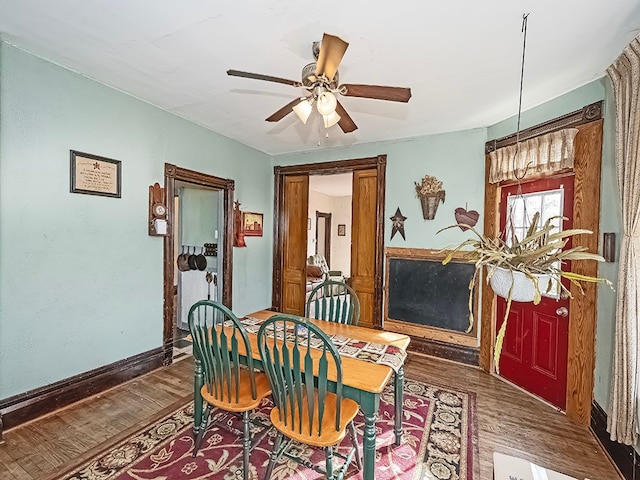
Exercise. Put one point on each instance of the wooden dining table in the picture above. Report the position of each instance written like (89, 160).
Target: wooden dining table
(363, 381)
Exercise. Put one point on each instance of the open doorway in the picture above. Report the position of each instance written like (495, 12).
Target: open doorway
(330, 203)
(361, 234)
(323, 235)
(198, 221)
(201, 210)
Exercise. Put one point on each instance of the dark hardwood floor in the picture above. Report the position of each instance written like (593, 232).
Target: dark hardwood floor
(509, 421)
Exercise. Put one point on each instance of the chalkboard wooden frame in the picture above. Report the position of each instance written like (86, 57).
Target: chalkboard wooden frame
(455, 337)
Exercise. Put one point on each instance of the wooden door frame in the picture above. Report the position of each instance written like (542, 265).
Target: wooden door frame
(327, 234)
(586, 214)
(172, 173)
(330, 168)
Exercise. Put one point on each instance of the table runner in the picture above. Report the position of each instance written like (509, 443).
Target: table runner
(388, 355)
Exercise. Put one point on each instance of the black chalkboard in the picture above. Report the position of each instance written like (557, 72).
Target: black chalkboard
(425, 292)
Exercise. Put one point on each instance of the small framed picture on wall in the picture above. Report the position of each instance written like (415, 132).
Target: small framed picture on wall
(95, 175)
(252, 224)
(342, 230)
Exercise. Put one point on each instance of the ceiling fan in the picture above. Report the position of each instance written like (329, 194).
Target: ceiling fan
(321, 80)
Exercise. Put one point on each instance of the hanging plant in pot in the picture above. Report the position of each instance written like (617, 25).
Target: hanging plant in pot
(523, 270)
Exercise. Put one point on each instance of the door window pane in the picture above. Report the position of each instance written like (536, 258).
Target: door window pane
(522, 208)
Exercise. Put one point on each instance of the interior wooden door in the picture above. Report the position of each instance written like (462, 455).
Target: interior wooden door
(294, 234)
(534, 353)
(363, 242)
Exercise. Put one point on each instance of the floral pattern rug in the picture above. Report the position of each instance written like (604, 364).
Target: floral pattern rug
(439, 443)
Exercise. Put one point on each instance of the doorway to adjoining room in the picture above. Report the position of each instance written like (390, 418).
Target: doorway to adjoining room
(198, 216)
(329, 221)
(198, 252)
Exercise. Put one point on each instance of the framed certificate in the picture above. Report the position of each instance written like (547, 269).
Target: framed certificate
(95, 175)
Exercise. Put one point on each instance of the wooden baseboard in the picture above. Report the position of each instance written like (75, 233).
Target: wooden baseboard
(457, 353)
(32, 404)
(621, 455)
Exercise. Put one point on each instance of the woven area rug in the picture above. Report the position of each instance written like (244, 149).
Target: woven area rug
(439, 443)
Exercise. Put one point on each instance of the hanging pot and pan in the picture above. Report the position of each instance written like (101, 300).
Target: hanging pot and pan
(182, 261)
(201, 261)
(192, 260)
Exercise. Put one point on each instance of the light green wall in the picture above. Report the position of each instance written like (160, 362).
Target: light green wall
(457, 159)
(610, 210)
(199, 216)
(610, 221)
(80, 278)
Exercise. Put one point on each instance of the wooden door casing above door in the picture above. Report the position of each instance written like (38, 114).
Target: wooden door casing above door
(377, 168)
(586, 214)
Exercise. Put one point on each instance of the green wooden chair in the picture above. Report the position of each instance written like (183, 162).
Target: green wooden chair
(335, 302)
(305, 410)
(226, 383)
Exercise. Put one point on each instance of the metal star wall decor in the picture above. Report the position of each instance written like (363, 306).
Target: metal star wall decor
(398, 224)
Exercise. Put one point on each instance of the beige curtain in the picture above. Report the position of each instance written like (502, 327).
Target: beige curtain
(544, 154)
(622, 421)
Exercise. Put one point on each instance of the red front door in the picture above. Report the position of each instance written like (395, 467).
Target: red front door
(534, 353)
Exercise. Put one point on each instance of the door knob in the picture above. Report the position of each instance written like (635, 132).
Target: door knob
(562, 312)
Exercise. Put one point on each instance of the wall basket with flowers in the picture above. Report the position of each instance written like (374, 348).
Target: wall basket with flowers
(430, 193)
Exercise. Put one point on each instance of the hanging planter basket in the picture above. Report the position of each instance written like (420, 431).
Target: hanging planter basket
(524, 289)
(430, 204)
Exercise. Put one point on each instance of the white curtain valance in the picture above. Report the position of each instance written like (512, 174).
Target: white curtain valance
(540, 155)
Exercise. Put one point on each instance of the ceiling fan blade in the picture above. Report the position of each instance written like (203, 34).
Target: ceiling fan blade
(283, 112)
(346, 122)
(331, 52)
(259, 76)
(379, 92)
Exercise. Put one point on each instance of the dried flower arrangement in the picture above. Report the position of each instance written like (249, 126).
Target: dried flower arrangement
(428, 185)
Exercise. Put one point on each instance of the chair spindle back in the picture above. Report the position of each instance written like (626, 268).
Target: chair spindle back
(335, 302)
(299, 359)
(218, 338)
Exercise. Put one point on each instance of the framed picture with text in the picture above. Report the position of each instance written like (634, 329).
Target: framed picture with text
(95, 175)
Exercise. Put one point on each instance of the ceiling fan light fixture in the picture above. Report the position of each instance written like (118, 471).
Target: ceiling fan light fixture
(331, 119)
(326, 104)
(303, 110)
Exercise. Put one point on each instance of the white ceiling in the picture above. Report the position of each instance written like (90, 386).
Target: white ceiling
(461, 58)
(338, 185)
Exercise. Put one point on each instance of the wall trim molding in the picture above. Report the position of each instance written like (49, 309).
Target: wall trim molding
(27, 406)
(621, 455)
(448, 351)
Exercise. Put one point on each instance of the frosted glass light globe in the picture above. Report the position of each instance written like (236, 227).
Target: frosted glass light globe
(326, 104)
